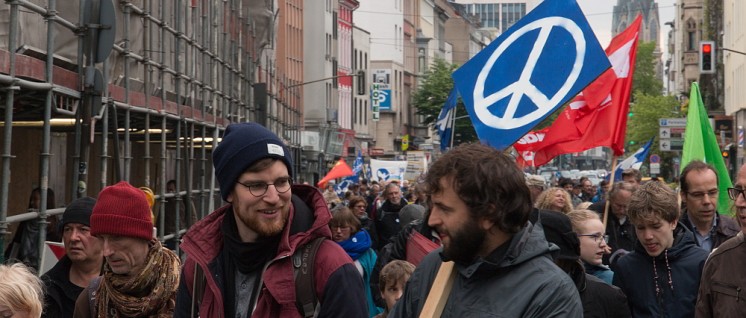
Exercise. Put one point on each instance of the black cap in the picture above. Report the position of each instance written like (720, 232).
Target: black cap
(79, 211)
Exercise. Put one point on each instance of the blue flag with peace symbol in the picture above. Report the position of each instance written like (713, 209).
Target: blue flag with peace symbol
(529, 71)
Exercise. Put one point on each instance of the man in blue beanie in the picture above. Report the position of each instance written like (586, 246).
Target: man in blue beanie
(82, 261)
(240, 258)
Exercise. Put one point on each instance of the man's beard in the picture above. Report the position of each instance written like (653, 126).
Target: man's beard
(262, 227)
(464, 243)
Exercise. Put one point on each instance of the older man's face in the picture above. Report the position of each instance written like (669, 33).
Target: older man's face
(125, 255)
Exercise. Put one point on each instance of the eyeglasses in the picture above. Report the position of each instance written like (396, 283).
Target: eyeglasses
(733, 193)
(339, 227)
(597, 237)
(258, 189)
(713, 194)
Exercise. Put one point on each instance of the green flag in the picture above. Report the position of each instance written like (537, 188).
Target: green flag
(700, 144)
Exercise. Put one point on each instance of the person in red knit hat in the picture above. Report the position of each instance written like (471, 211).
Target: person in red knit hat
(140, 275)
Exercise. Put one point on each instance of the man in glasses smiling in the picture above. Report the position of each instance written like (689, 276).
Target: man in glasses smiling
(245, 249)
(699, 191)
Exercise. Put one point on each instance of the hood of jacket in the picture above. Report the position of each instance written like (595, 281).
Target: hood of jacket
(525, 245)
(307, 219)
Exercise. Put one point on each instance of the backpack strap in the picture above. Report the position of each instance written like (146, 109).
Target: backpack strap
(305, 287)
(92, 289)
(198, 289)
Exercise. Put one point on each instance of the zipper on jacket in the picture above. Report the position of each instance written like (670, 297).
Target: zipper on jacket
(261, 281)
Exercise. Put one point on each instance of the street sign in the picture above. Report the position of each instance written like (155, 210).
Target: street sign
(655, 168)
(672, 122)
(671, 132)
(671, 144)
(655, 158)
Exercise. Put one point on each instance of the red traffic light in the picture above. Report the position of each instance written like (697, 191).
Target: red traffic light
(706, 48)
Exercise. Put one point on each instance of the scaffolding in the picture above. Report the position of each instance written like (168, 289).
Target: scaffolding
(179, 72)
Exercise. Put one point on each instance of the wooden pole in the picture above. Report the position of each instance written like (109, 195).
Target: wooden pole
(608, 195)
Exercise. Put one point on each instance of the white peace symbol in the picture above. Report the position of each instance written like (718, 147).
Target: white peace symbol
(524, 86)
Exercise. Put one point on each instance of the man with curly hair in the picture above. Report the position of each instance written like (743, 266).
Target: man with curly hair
(480, 206)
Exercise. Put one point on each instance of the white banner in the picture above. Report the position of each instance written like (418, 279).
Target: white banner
(416, 164)
(386, 170)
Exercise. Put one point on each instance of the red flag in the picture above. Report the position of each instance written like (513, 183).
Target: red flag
(597, 116)
(340, 169)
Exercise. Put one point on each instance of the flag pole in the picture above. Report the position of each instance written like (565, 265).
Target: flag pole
(453, 124)
(608, 196)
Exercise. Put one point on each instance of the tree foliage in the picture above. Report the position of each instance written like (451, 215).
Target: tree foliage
(645, 80)
(430, 97)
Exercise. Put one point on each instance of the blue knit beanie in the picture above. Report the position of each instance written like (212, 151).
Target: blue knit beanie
(244, 144)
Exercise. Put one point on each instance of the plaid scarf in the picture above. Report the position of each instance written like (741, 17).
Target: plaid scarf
(149, 293)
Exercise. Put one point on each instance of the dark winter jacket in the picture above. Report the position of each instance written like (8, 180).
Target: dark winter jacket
(722, 290)
(397, 250)
(523, 283)
(636, 275)
(601, 299)
(388, 222)
(59, 293)
(725, 229)
(339, 287)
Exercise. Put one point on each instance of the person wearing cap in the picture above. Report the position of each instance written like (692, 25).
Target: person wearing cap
(82, 262)
(536, 184)
(240, 257)
(480, 206)
(140, 275)
(599, 298)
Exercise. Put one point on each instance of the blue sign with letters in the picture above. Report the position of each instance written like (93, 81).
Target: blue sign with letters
(528, 72)
(384, 96)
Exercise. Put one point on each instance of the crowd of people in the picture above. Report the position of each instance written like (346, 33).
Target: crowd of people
(474, 236)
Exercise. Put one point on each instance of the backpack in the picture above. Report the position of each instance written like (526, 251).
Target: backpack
(303, 273)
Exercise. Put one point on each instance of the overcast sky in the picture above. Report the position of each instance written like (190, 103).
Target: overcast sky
(599, 15)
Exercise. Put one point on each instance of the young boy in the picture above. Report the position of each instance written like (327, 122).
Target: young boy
(391, 281)
(661, 277)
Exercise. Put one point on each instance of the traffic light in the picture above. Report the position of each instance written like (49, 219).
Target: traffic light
(726, 153)
(361, 82)
(707, 57)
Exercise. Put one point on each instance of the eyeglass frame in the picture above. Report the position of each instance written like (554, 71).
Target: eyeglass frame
(596, 237)
(738, 193)
(266, 185)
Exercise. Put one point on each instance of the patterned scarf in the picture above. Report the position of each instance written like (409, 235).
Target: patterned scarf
(149, 293)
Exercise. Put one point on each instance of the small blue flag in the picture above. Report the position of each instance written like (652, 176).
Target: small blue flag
(445, 122)
(634, 161)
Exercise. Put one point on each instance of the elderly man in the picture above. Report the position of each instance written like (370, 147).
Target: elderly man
(241, 257)
(82, 261)
(722, 282)
(536, 185)
(387, 219)
(140, 275)
(480, 207)
(699, 190)
(621, 232)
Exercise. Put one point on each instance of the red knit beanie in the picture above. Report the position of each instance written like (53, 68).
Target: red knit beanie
(122, 210)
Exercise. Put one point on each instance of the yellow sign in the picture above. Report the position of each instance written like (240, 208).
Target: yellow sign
(405, 143)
